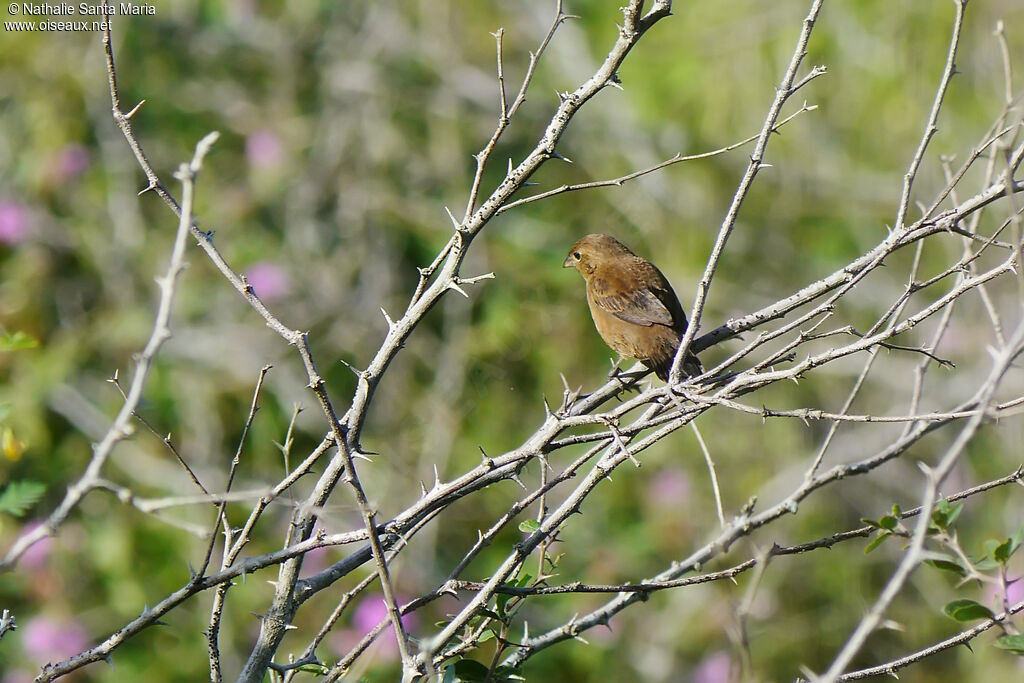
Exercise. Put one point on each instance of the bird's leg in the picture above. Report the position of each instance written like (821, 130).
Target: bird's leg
(627, 380)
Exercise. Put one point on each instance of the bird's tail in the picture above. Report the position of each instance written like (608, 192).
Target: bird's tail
(691, 367)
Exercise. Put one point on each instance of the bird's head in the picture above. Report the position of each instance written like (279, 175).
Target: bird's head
(591, 251)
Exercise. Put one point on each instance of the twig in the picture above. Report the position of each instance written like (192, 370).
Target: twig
(678, 158)
(935, 476)
(962, 638)
(121, 428)
(931, 128)
(784, 91)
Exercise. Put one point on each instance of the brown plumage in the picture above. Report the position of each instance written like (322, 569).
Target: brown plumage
(633, 305)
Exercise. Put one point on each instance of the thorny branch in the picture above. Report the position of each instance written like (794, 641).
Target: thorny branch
(791, 342)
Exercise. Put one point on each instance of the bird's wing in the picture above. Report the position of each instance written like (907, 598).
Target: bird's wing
(637, 305)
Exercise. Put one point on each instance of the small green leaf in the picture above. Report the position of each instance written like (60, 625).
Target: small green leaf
(509, 673)
(485, 636)
(315, 669)
(19, 496)
(896, 511)
(17, 341)
(524, 581)
(944, 514)
(1005, 550)
(491, 614)
(470, 670)
(871, 523)
(888, 522)
(947, 566)
(877, 541)
(528, 527)
(501, 600)
(1002, 552)
(449, 675)
(967, 610)
(986, 565)
(1014, 644)
(1018, 536)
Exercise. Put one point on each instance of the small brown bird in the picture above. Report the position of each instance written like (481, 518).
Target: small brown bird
(633, 305)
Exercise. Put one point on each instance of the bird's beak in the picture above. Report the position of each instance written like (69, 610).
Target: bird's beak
(568, 262)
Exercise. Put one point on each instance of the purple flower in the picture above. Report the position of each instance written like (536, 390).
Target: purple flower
(263, 148)
(49, 639)
(14, 222)
(268, 280)
(715, 668)
(70, 162)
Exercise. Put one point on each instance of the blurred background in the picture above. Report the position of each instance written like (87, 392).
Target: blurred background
(346, 128)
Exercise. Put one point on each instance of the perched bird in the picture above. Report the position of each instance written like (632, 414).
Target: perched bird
(633, 305)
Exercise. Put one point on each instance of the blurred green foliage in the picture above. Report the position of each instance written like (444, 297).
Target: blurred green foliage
(346, 129)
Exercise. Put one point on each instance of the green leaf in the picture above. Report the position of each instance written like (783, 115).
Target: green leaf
(529, 526)
(1002, 552)
(19, 496)
(1014, 644)
(315, 669)
(945, 514)
(888, 522)
(509, 673)
(985, 564)
(17, 341)
(500, 601)
(449, 675)
(871, 523)
(878, 540)
(967, 610)
(524, 581)
(896, 511)
(489, 613)
(1017, 538)
(947, 566)
(471, 671)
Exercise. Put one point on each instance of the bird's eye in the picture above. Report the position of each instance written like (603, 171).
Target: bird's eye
(576, 255)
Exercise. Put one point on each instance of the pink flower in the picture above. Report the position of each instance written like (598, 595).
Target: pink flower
(69, 163)
(317, 559)
(715, 668)
(37, 553)
(49, 639)
(370, 612)
(263, 148)
(1014, 593)
(670, 486)
(268, 280)
(14, 222)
